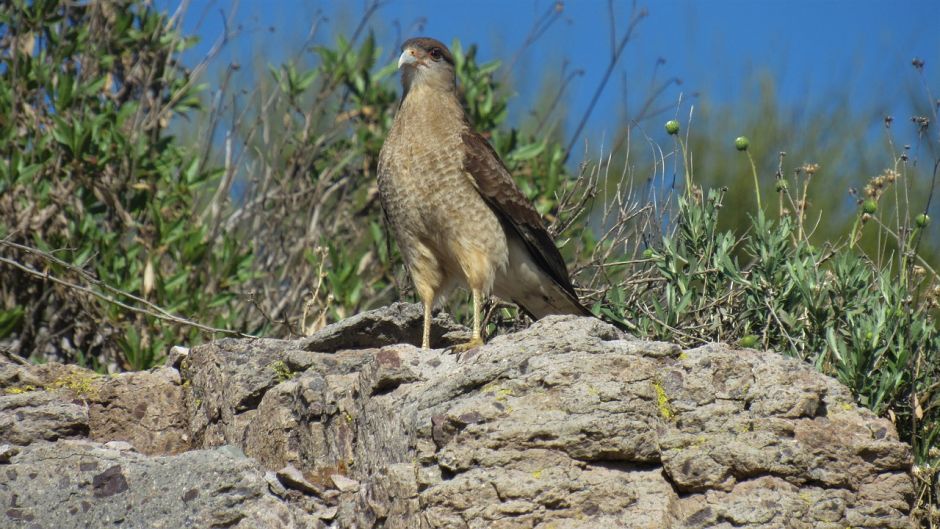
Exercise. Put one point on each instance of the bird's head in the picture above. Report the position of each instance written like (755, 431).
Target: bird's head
(425, 61)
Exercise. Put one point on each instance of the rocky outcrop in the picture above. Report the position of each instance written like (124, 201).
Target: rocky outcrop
(85, 484)
(565, 424)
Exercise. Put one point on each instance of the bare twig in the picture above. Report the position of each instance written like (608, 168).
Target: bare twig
(157, 312)
(636, 16)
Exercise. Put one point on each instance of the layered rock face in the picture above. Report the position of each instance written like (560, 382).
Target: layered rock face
(566, 424)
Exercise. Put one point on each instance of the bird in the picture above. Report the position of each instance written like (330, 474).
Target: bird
(457, 215)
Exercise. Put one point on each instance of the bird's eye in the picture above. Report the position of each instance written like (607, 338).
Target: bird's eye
(436, 54)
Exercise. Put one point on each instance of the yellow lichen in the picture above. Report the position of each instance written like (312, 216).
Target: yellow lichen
(80, 383)
(501, 394)
(281, 371)
(537, 474)
(20, 390)
(662, 400)
(745, 427)
(490, 387)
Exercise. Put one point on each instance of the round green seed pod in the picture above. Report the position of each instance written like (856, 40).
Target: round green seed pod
(870, 206)
(741, 143)
(781, 186)
(922, 220)
(672, 127)
(648, 253)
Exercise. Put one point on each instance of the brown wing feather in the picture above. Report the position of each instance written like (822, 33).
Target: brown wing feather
(500, 192)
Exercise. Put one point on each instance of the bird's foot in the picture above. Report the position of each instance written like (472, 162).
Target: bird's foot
(472, 344)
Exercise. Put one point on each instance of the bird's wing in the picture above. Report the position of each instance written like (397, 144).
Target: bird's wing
(499, 190)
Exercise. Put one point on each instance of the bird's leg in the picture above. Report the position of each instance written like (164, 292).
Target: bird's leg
(426, 336)
(476, 340)
(477, 308)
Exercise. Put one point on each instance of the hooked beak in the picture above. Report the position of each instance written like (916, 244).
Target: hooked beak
(407, 57)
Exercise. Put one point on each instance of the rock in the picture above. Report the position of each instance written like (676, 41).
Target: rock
(15, 372)
(292, 478)
(228, 379)
(175, 357)
(145, 409)
(120, 446)
(396, 323)
(85, 484)
(569, 421)
(39, 415)
(7, 452)
(344, 484)
(568, 424)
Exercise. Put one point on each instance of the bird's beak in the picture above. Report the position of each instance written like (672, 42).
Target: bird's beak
(407, 57)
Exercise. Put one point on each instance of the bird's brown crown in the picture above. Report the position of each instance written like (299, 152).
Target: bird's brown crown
(428, 46)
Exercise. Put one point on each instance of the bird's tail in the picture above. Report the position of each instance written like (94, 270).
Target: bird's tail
(557, 300)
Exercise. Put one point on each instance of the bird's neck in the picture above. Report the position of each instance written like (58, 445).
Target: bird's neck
(432, 109)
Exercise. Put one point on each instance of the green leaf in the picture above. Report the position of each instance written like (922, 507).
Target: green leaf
(10, 320)
(191, 172)
(527, 152)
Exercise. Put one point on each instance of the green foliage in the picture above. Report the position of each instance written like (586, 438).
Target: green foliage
(89, 173)
(868, 320)
(870, 327)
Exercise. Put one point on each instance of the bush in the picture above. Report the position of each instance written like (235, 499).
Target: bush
(91, 178)
(867, 320)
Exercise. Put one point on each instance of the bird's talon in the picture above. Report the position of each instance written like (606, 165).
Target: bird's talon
(464, 347)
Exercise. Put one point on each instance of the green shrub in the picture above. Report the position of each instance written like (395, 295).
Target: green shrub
(867, 320)
(90, 176)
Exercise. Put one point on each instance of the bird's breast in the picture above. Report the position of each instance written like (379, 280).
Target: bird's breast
(430, 198)
(429, 188)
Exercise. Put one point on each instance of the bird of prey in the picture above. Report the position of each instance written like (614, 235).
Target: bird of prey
(454, 209)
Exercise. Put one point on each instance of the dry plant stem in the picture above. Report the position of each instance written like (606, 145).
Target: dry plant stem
(551, 15)
(161, 315)
(919, 258)
(797, 210)
(915, 405)
(204, 63)
(692, 340)
(312, 300)
(781, 326)
(275, 191)
(562, 88)
(756, 183)
(636, 16)
(685, 167)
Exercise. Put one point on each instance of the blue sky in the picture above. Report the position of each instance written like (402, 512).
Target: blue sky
(814, 50)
